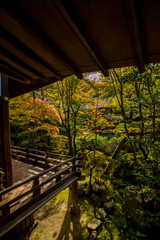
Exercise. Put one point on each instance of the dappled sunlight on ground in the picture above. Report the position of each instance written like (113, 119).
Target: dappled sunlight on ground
(56, 222)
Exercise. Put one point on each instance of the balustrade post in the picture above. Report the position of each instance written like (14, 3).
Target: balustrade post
(36, 159)
(37, 190)
(5, 210)
(46, 160)
(74, 164)
(58, 178)
(16, 155)
(27, 154)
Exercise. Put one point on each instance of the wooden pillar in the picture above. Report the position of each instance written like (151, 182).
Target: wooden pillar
(37, 191)
(74, 194)
(5, 145)
(75, 206)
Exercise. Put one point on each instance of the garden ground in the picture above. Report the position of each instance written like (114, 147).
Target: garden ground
(54, 220)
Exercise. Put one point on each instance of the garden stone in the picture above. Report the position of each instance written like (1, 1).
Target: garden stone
(96, 188)
(106, 164)
(108, 207)
(88, 191)
(80, 190)
(131, 203)
(93, 235)
(94, 197)
(102, 213)
(94, 224)
(131, 199)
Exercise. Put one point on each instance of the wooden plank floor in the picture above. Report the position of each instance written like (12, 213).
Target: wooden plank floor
(22, 170)
(34, 187)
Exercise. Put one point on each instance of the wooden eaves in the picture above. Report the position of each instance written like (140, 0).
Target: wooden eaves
(43, 41)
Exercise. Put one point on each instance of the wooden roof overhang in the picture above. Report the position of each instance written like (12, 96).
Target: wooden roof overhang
(42, 41)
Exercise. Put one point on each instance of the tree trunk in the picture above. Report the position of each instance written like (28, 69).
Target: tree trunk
(74, 134)
(142, 121)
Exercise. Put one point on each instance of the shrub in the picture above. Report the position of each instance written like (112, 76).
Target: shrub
(59, 143)
(97, 165)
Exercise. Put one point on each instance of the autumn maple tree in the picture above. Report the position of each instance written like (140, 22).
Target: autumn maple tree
(28, 116)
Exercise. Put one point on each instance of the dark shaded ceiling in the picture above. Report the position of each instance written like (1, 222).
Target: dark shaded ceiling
(42, 41)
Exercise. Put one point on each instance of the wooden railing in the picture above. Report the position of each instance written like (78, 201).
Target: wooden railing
(37, 157)
(22, 199)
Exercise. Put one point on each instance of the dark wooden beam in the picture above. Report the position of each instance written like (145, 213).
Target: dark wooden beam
(22, 77)
(13, 75)
(134, 32)
(75, 24)
(28, 23)
(21, 63)
(20, 46)
(5, 146)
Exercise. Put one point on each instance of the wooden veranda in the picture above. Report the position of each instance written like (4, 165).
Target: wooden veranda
(43, 41)
(22, 199)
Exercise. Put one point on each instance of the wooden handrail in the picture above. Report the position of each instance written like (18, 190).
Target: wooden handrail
(58, 155)
(16, 147)
(35, 176)
(38, 189)
(42, 152)
(37, 157)
(11, 220)
(35, 187)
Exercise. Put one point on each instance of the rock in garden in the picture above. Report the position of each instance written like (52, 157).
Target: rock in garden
(88, 190)
(80, 190)
(131, 203)
(94, 224)
(108, 207)
(105, 164)
(131, 199)
(96, 188)
(102, 213)
(95, 197)
(93, 235)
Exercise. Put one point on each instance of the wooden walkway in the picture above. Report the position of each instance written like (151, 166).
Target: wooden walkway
(26, 196)
(23, 170)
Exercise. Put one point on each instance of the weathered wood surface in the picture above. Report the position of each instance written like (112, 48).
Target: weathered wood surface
(24, 198)
(37, 157)
(129, 38)
(5, 147)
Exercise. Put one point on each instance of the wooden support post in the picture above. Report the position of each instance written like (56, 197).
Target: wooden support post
(46, 160)
(5, 145)
(36, 159)
(58, 178)
(74, 194)
(31, 219)
(27, 153)
(5, 210)
(36, 191)
(75, 207)
(74, 164)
